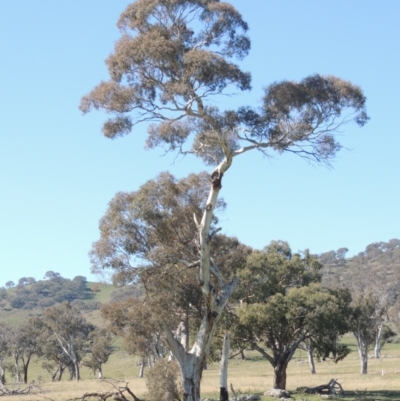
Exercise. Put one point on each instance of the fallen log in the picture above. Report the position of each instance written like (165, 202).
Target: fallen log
(17, 390)
(333, 387)
(117, 395)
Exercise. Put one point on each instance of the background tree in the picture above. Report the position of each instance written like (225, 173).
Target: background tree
(366, 320)
(141, 330)
(55, 360)
(70, 330)
(172, 57)
(282, 305)
(324, 341)
(4, 351)
(3, 293)
(24, 344)
(101, 347)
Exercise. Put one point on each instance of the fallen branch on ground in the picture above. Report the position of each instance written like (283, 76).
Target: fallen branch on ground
(333, 387)
(4, 391)
(117, 395)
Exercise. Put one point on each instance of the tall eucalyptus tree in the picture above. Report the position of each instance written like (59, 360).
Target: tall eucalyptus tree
(172, 58)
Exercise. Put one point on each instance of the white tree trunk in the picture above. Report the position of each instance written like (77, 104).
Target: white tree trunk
(378, 341)
(311, 358)
(223, 370)
(2, 374)
(215, 292)
(17, 370)
(68, 346)
(362, 347)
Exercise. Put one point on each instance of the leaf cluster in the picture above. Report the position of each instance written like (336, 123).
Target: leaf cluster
(172, 54)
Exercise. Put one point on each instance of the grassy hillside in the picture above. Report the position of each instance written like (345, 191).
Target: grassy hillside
(379, 264)
(14, 316)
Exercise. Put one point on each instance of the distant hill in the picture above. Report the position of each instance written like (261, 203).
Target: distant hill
(30, 297)
(378, 265)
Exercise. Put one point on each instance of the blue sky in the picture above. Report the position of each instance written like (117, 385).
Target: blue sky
(57, 172)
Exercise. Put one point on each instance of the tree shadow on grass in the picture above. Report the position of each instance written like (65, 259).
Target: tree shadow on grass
(381, 395)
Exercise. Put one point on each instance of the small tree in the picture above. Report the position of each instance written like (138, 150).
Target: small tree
(172, 57)
(163, 381)
(4, 351)
(283, 306)
(24, 344)
(70, 330)
(101, 347)
(367, 319)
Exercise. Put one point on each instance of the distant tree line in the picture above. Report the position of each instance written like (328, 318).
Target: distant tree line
(61, 338)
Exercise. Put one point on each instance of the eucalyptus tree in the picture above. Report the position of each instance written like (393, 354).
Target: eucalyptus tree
(276, 328)
(24, 343)
(140, 329)
(367, 318)
(4, 351)
(172, 58)
(282, 306)
(324, 342)
(149, 238)
(70, 329)
(101, 347)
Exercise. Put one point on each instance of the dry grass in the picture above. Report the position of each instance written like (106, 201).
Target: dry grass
(254, 376)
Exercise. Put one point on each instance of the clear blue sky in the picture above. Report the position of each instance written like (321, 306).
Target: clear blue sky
(57, 173)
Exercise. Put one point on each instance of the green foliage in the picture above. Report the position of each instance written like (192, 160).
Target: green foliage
(274, 270)
(101, 347)
(283, 305)
(29, 294)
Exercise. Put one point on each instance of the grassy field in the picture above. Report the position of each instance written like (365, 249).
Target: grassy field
(253, 376)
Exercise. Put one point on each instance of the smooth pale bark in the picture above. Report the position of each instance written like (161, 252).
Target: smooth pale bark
(182, 333)
(378, 341)
(309, 349)
(216, 296)
(2, 373)
(17, 370)
(362, 347)
(223, 369)
(311, 358)
(69, 349)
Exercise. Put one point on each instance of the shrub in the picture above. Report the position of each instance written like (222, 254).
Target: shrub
(162, 381)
